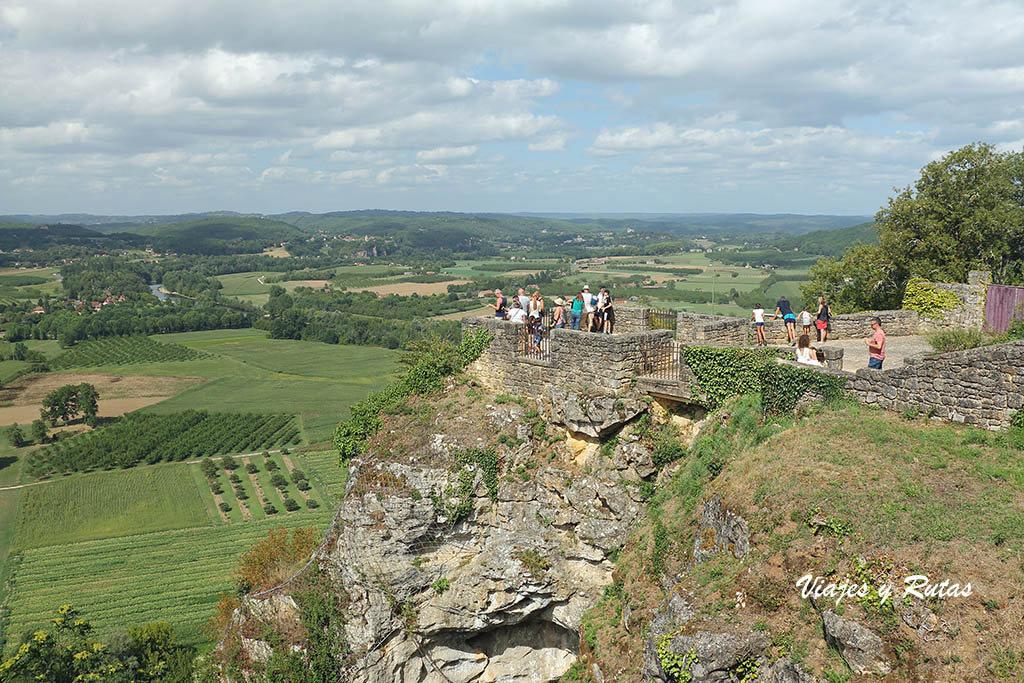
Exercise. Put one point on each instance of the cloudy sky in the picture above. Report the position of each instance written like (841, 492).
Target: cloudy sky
(165, 106)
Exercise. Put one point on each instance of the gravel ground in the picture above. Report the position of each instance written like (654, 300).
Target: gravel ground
(855, 351)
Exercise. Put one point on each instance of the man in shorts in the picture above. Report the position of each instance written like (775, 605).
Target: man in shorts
(783, 308)
(588, 307)
(876, 345)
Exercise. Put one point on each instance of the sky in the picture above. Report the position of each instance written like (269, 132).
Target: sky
(766, 106)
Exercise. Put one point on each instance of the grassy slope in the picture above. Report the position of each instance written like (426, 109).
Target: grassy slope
(107, 504)
(908, 497)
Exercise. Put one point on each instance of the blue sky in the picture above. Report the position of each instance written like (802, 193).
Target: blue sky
(495, 105)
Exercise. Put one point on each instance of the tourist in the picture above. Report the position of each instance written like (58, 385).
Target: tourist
(523, 299)
(516, 314)
(576, 311)
(806, 354)
(535, 307)
(757, 315)
(608, 312)
(596, 319)
(558, 315)
(823, 315)
(783, 308)
(588, 306)
(805, 320)
(876, 345)
(500, 305)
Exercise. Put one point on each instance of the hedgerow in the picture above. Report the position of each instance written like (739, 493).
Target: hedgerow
(147, 438)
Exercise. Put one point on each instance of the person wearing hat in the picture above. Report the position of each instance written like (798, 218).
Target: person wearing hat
(558, 316)
(588, 308)
(516, 314)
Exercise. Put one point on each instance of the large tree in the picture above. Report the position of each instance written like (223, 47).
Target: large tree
(965, 212)
(65, 403)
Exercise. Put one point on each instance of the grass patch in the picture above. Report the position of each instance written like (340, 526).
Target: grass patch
(107, 504)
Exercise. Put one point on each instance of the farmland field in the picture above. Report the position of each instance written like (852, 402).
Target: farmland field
(324, 466)
(107, 504)
(122, 351)
(175, 576)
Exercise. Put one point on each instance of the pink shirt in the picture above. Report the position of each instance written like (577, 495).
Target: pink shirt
(877, 339)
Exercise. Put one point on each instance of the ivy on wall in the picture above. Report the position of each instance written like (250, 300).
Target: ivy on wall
(723, 373)
(927, 299)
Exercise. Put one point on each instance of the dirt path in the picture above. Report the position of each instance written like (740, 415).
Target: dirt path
(288, 464)
(257, 489)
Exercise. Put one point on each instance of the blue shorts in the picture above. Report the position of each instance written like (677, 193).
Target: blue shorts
(758, 324)
(789, 318)
(875, 363)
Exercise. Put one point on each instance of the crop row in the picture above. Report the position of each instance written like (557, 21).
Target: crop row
(123, 351)
(148, 438)
(123, 581)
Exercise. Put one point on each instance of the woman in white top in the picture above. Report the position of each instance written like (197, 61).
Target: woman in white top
(804, 353)
(758, 317)
(535, 307)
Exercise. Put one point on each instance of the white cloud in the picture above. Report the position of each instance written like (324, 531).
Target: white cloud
(442, 153)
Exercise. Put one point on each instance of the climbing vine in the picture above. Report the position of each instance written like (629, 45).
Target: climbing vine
(454, 504)
(927, 299)
(723, 373)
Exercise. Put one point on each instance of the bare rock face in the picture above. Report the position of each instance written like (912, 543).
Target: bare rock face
(594, 416)
(862, 649)
(455, 571)
(720, 531)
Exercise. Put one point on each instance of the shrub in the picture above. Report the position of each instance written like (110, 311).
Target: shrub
(240, 494)
(1017, 430)
(290, 505)
(234, 478)
(311, 503)
(302, 485)
(209, 467)
(269, 508)
(251, 468)
(927, 299)
(270, 465)
(957, 340)
(228, 463)
(298, 475)
(216, 488)
(225, 507)
(279, 481)
(1016, 330)
(275, 558)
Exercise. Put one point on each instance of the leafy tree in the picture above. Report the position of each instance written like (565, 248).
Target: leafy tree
(88, 402)
(68, 401)
(15, 436)
(965, 212)
(39, 431)
(276, 557)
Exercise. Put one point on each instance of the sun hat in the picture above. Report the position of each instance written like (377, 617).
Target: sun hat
(586, 287)
(559, 301)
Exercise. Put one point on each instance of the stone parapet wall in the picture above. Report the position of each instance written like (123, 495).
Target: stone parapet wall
(630, 318)
(970, 313)
(587, 362)
(982, 386)
(714, 329)
(853, 325)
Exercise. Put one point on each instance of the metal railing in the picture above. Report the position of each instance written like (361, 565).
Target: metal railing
(658, 319)
(660, 359)
(535, 339)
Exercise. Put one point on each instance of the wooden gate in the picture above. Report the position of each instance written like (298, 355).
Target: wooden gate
(1003, 304)
(661, 320)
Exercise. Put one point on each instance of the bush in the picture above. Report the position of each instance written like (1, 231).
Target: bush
(234, 478)
(228, 463)
(240, 494)
(225, 507)
(209, 467)
(290, 505)
(270, 465)
(302, 485)
(216, 488)
(278, 481)
(251, 468)
(311, 503)
(1017, 430)
(269, 509)
(298, 475)
(1016, 330)
(957, 340)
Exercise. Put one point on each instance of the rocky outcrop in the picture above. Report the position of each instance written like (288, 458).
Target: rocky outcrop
(720, 530)
(861, 648)
(594, 416)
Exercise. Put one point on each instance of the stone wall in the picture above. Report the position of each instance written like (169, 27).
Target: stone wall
(982, 386)
(713, 329)
(630, 318)
(971, 310)
(590, 363)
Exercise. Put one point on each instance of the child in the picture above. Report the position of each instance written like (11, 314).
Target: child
(758, 317)
(805, 320)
